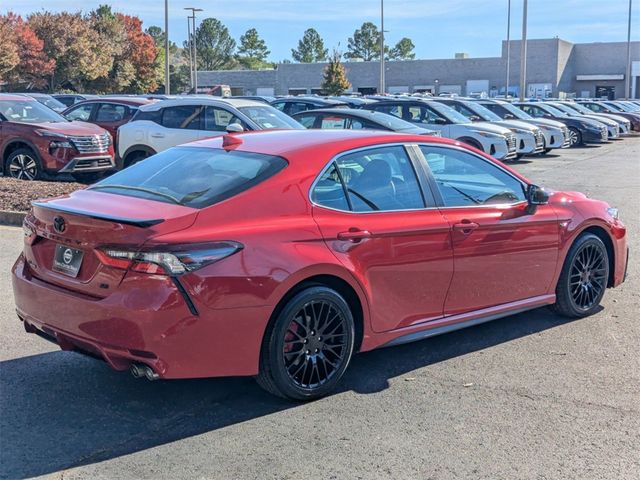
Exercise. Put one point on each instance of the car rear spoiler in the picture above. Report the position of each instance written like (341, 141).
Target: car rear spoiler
(142, 223)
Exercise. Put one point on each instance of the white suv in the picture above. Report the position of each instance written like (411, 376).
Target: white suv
(161, 125)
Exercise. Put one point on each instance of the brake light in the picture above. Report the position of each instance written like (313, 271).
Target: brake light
(30, 234)
(175, 260)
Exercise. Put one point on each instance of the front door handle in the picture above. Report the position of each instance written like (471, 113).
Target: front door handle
(354, 235)
(465, 227)
(157, 135)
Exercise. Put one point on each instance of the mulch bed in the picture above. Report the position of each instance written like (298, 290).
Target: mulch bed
(17, 195)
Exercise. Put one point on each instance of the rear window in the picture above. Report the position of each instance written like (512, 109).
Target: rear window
(193, 176)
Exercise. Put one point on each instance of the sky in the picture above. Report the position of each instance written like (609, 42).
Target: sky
(438, 28)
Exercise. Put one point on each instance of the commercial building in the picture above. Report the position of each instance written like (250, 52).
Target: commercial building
(555, 68)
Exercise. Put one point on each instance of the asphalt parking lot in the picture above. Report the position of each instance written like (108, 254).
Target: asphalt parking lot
(531, 396)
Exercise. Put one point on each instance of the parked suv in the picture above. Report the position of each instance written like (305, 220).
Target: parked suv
(162, 125)
(500, 142)
(623, 124)
(35, 140)
(556, 134)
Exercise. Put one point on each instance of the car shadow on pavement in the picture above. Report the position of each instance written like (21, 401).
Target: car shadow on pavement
(61, 410)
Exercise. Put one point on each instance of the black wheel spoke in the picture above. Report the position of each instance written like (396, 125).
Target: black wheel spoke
(587, 276)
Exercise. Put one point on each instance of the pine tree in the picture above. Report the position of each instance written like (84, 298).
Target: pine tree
(335, 80)
(252, 51)
(310, 48)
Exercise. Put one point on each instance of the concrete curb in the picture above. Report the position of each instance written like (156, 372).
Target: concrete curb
(13, 219)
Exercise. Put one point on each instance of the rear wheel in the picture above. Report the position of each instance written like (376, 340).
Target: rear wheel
(308, 347)
(584, 277)
(575, 137)
(23, 164)
(135, 157)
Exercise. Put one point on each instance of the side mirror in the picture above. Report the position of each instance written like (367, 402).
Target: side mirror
(536, 196)
(474, 118)
(509, 116)
(235, 128)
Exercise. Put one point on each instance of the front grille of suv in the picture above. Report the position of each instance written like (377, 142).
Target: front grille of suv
(565, 132)
(539, 138)
(91, 143)
(511, 142)
(604, 133)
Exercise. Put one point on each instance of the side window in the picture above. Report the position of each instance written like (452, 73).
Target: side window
(466, 180)
(82, 113)
(333, 122)
(431, 116)
(298, 107)
(108, 112)
(182, 116)
(395, 110)
(463, 110)
(217, 119)
(356, 124)
(279, 105)
(307, 121)
(595, 107)
(329, 191)
(380, 179)
(533, 111)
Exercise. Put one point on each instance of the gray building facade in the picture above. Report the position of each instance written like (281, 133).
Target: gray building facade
(555, 68)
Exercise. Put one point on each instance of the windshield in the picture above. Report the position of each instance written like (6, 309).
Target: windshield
(391, 122)
(579, 108)
(554, 111)
(192, 176)
(515, 111)
(28, 111)
(615, 106)
(483, 111)
(51, 102)
(564, 108)
(449, 113)
(270, 118)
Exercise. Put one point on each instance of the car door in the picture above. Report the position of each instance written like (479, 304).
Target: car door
(179, 124)
(216, 120)
(503, 251)
(110, 116)
(383, 227)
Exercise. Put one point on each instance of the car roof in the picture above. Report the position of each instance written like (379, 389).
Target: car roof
(134, 101)
(305, 144)
(368, 114)
(33, 94)
(202, 100)
(15, 96)
(317, 100)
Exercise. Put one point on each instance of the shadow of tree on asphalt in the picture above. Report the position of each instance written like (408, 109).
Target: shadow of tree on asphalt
(61, 410)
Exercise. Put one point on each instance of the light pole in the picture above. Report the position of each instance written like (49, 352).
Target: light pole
(523, 54)
(506, 90)
(627, 83)
(382, 72)
(167, 87)
(195, 57)
(190, 45)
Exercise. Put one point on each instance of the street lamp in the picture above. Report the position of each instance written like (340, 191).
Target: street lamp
(382, 72)
(190, 45)
(523, 54)
(627, 83)
(167, 88)
(506, 91)
(195, 58)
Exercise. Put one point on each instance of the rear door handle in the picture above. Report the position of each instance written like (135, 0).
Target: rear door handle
(354, 235)
(465, 226)
(157, 135)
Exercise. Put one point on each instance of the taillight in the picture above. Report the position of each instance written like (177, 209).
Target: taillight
(30, 234)
(175, 260)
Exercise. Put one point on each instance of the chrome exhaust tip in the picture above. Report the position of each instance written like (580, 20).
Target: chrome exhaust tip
(139, 370)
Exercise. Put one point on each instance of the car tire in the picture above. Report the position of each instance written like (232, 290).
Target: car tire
(23, 164)
(87, 177)
(584, 277)
(308, 345)
(135, 157)
(575, 137)
(546, 150)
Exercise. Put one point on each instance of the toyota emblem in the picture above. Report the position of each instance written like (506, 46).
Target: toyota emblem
(59, 225)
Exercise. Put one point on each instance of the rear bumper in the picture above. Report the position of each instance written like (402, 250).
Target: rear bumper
(144, 320)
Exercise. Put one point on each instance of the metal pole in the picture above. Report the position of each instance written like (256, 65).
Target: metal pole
(167, 80)
(506, 90)
(190, 45)
(382, 80)
(195, 58)
(627, 83)
(523, 54)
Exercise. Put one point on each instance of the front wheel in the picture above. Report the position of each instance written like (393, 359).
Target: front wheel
(584, 277)
(575, 137)
(23, 164)
(308, 347)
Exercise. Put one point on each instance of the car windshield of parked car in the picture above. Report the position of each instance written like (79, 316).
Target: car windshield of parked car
(563, 108)
(391, 122)
(28, 111)
(449, 113)
(554, 111)
(579, 108)
(270, 118)
(618, 107)
(51, 103)
(483, 111)
(516, 112)
(192, 176)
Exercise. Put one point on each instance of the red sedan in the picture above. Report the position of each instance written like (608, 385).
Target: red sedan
(279, 254)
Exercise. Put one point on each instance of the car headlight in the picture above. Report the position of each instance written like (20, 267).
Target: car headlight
(613, 213)
(487, 134)
(521, 131)
(48, 134)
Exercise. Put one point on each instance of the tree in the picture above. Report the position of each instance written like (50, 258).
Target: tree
(157, 34)
(69, 39)
(252, 51)
(365, 43)
(9, 57)
(214, 44)
(33, 65)
(335, 80)
(141, 51)
(403, 50)
(310, 48)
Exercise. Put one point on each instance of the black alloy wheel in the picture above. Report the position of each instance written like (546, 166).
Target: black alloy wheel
(584, 277)
(309, 346)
